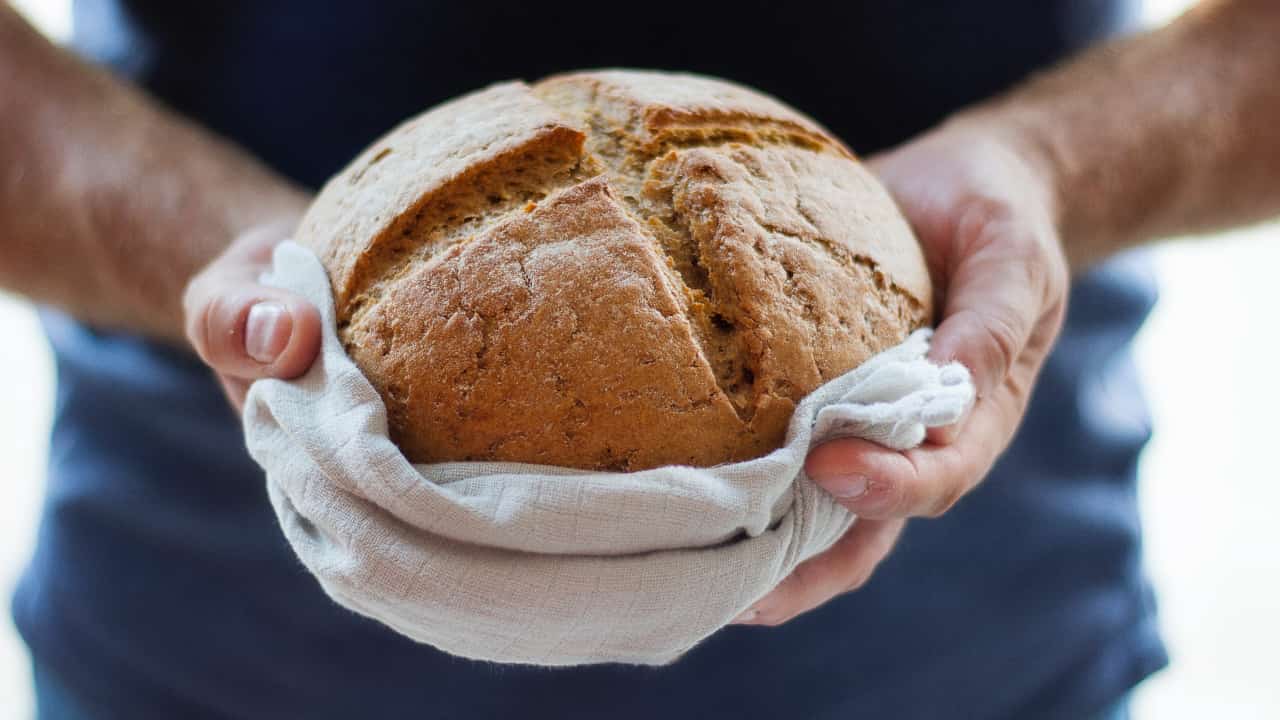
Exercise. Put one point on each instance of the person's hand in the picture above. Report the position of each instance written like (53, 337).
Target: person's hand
(245, 330)
(985, 215)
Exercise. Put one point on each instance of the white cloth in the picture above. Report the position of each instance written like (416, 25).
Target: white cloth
(551, 566)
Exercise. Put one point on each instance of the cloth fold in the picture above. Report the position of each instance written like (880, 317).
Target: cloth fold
(533, 564)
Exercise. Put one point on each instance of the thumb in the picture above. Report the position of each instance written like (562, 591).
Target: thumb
(249, 331)
(246, 330)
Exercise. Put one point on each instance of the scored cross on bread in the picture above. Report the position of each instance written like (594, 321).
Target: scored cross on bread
(610, 270)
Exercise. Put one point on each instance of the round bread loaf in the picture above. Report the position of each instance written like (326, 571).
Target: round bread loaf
(610, 270)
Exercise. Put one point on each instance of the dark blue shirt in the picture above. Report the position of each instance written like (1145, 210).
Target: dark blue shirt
(162, 587)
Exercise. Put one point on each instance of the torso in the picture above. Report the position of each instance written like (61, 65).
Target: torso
(162, 586)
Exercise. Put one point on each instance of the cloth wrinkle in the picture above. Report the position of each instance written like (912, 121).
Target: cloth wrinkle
(530, 564)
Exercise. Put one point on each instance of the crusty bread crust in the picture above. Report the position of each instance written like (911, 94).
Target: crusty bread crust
(610, 270)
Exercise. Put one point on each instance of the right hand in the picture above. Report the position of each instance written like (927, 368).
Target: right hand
(245, 330)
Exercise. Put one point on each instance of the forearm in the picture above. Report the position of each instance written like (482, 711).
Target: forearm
(109, 204)
(1170, 132)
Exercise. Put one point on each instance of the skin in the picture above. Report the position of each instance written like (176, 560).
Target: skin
(1164, 133)
(1173, 131)
(142, 200)
(137, 197)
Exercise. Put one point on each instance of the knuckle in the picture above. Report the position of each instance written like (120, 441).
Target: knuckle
(1018, 385)
(906, 499)
(1040, 252)
(219, 309)
(221, 327)
(903, 491)
(895, 497)
(1055, 276)
(976, 226)
(903, 498)
(1003, 341)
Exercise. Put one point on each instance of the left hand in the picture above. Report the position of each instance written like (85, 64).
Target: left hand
(984, 211)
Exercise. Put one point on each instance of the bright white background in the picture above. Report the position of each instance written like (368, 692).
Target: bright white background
(1210, 488)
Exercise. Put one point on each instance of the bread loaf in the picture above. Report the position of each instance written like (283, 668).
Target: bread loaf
(610, 270)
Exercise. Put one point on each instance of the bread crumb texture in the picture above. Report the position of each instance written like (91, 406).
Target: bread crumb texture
(610, 270)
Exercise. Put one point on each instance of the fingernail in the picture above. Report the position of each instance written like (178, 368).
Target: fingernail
(847, 487)
(747, 616)
(266, 331)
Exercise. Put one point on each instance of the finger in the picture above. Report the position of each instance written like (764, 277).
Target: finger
(244, 329)
(247, 330)
(998, 290)
(847, 565)
(876, 482)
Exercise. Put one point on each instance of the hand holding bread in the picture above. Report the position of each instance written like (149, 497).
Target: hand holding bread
(621, 270)
(984, 214)
(246, 330)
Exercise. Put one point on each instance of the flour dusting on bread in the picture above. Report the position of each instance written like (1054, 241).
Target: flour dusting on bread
(611, 270)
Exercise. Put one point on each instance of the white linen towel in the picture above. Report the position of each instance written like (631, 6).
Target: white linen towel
(551, 566)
